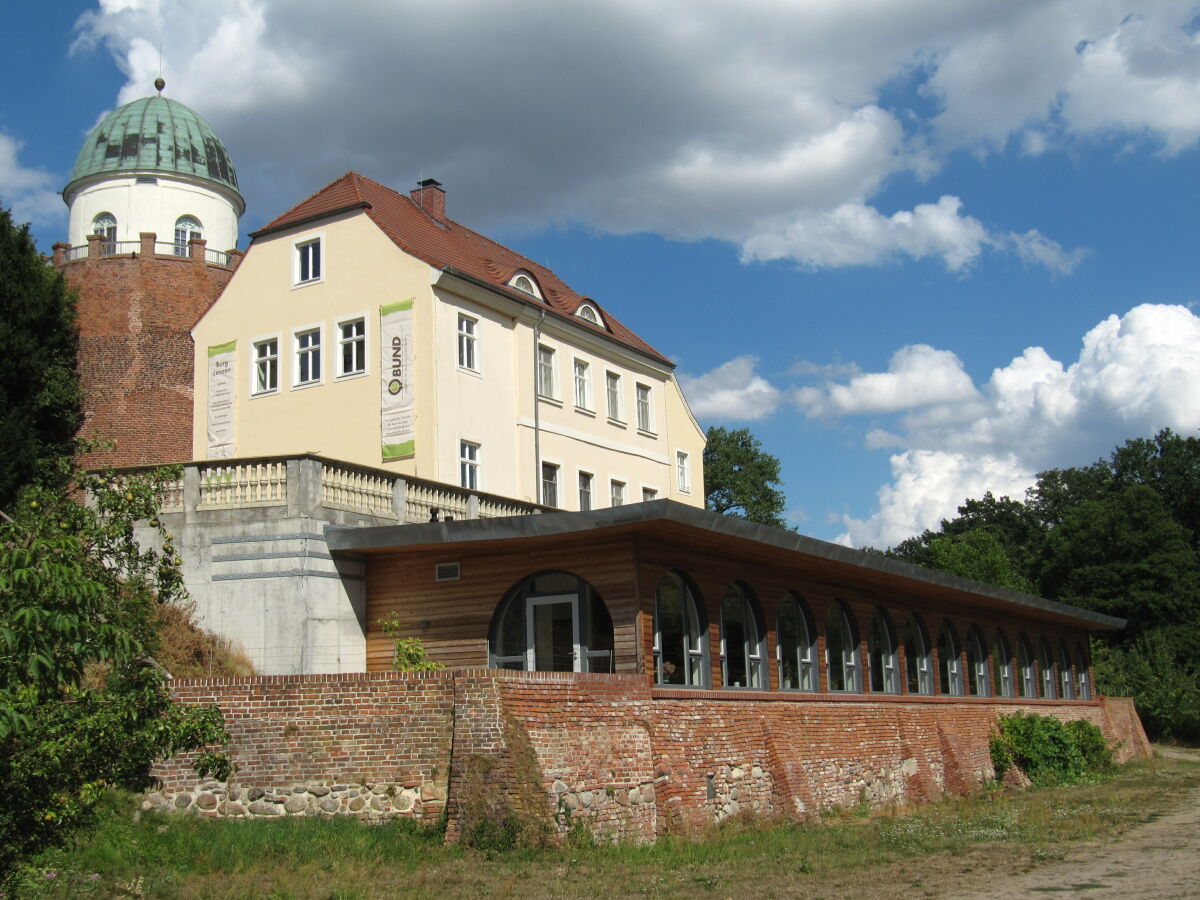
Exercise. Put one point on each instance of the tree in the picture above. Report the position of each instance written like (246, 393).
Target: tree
(976, 554)
(741, 479)
(39, 390)
(82, 704)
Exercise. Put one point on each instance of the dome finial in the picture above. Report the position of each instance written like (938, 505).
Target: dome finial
(159, 84)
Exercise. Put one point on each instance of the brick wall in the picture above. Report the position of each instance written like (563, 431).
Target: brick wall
(135, 352)
(627, 760)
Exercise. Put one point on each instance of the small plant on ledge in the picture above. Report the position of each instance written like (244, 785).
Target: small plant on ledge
(408, 654)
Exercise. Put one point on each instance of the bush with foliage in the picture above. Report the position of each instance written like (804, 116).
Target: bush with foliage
(83, 705)
(1049, 751)
(408, 653)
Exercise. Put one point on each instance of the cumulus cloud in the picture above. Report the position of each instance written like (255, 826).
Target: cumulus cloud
(763, 125)
(730, 392)
(1135, 374)
(918, 375)
(29, 192)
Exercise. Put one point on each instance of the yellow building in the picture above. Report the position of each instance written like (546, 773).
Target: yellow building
(368, 327)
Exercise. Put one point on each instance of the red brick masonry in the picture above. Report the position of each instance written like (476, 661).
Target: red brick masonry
(630, 760)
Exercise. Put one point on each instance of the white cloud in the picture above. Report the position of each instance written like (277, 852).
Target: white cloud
(29, 192)
(918, 375)
(1135, 374)
(730, 392)
(763, 125)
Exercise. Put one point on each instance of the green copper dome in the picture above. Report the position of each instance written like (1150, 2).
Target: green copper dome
(155, 134)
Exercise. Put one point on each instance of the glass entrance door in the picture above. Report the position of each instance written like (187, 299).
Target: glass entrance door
(552, 625)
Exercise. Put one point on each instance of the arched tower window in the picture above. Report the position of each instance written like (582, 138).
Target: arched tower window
(680, 635)
(841, 650)
(552, 622)
(105, 225)
(797, 646)
(186, 228)
(742, 640)
(916, 657)
(881, 654)
(1002, 669)
(949, 661)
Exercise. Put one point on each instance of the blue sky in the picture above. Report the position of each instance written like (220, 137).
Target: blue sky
(922, 250)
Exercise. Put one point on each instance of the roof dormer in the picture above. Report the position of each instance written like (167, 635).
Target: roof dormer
(589, 313)
(523, 281)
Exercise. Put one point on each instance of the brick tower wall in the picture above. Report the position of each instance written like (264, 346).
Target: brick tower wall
(136, 312)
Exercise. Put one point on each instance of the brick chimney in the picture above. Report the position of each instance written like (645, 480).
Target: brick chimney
(431, 198)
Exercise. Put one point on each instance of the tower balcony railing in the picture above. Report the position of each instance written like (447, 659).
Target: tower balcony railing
(147, 247)
(304, 483)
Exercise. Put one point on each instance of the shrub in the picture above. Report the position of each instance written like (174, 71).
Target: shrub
(1048, 751)
(409, 653)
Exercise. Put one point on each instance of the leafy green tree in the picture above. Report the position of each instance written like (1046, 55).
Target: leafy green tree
(82, 704)
(39, 389)
(741, 479)
(976, 554)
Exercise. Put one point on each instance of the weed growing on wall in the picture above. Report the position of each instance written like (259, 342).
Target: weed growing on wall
(1048, 751)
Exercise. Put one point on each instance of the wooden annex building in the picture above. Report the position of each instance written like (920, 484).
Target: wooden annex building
(708, 602)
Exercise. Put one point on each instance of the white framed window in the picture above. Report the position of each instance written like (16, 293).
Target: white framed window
(467, 343)
(265, 368)
(525, 283)
(308, 264)
(307, 363)
(645, 415)
(588, 313)
(468, 465)
(585, 491)
(549, 484)
(352, 347)
(545, 371)
(683, 472)
(105, 225)
(186, 228)
(583, 384)
(649, 493)
(616, 492)
(612, 390)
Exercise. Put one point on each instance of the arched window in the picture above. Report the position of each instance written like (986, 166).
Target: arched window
(1026, 676)
(1002, 665)
(1065, 675)
(949, 661)
(841, 650)
(977, 664)
(1081, 673)
(797, 646)
(552, 622)
(1046, 664)
(588, 313)
(916, 657)
(524, 282)
(881, 654)
(742, 640)
(186, 228)
(105, 225)
(680, 635)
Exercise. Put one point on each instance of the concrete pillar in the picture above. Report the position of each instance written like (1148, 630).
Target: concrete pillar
(191, 490)
(304, 487)
(473, 506)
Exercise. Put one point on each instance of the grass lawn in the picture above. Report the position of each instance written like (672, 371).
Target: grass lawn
(924, 850)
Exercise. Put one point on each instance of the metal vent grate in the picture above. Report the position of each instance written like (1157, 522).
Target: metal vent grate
(447, 571)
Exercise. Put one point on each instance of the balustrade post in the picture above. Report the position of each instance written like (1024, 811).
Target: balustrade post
(400, 500)
(191, 489)
(473, 506)
(303, 487)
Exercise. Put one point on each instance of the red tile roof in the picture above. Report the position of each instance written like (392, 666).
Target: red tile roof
(446, 244)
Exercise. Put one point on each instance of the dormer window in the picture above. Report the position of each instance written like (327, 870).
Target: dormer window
(588, 313)
(524, 282)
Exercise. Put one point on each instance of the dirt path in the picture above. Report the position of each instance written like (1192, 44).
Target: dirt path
(1160, 859)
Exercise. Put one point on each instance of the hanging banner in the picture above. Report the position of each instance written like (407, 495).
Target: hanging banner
(396, 355)
(220, 400)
